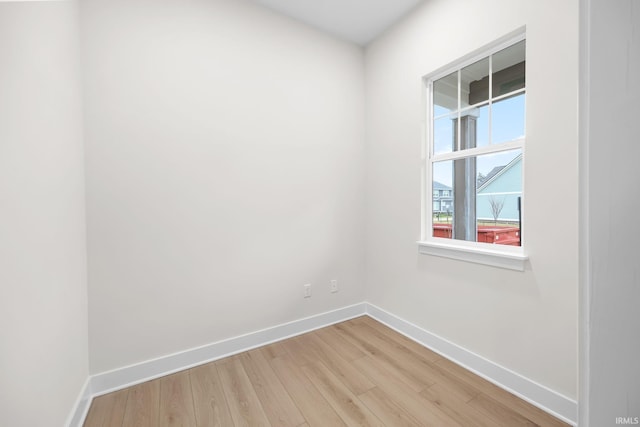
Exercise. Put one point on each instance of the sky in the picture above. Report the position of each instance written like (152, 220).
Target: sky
(508, 123)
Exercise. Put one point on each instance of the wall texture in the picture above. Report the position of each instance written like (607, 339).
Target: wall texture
(610, 374)
(43, 303)
(524, 321)
(225, 158)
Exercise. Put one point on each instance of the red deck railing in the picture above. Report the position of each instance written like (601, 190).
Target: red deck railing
(499, 235)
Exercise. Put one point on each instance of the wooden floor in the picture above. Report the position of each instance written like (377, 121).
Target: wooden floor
(354, 373)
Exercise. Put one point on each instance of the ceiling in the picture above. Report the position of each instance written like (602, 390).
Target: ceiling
(356, 21)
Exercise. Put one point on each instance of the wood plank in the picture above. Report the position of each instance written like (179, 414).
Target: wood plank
(467, 376)
(299, 353)
(352, 411)
(344, 348)
(422, 367)
(451, 404)
(313, 406)
(356, 381)
(209, 401)
(501, 414)
(385, 408)
(143, 405)
(244, 405)
(415, 374)
(402, 395)
(454, 385)
(415, 347)
(275, 400)
(534, 414)
(176, 401)
(498, 394)
(340, 330)
(107, 410)
(527, 410)
(273, 350)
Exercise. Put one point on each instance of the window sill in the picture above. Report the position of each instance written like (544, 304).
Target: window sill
(486, 256)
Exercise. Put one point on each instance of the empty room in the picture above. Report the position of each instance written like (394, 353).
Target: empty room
(319, 213)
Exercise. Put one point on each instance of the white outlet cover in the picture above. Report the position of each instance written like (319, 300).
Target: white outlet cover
(333, 286)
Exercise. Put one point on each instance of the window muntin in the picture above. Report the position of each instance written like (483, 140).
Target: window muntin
(476, 142)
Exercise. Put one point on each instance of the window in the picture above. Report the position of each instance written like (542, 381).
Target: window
(474, 168)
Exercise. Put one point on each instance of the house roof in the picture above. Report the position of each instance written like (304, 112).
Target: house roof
(501, 170)
(485, 181)
(490, 175)
(440, 186)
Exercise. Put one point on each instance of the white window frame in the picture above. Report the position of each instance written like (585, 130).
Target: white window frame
(509, 257)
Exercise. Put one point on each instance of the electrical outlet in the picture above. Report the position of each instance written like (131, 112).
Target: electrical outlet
(307, 290)
(333, 286)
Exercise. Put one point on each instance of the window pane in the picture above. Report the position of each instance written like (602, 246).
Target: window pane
(477, 198)
(479, 130)
(507, 119)
(499, 188)
(443, 135)
(509, 69)
(474, 83)
(445, 95)
(442, 199)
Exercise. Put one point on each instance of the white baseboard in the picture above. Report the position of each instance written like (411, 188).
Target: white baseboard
(544, 398)
(81, 407)
(134, 374)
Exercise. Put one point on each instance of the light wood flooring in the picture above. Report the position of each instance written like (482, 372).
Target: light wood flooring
(357, 372)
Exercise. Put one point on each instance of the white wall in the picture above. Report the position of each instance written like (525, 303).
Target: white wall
(524, 321)
(225, 157)
(610, 280)
(43, 307)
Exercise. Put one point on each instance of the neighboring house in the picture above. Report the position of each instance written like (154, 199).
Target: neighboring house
(442, 197)
(503, 183)
(483, 179)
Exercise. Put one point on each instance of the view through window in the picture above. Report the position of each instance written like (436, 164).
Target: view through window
(476, 141)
